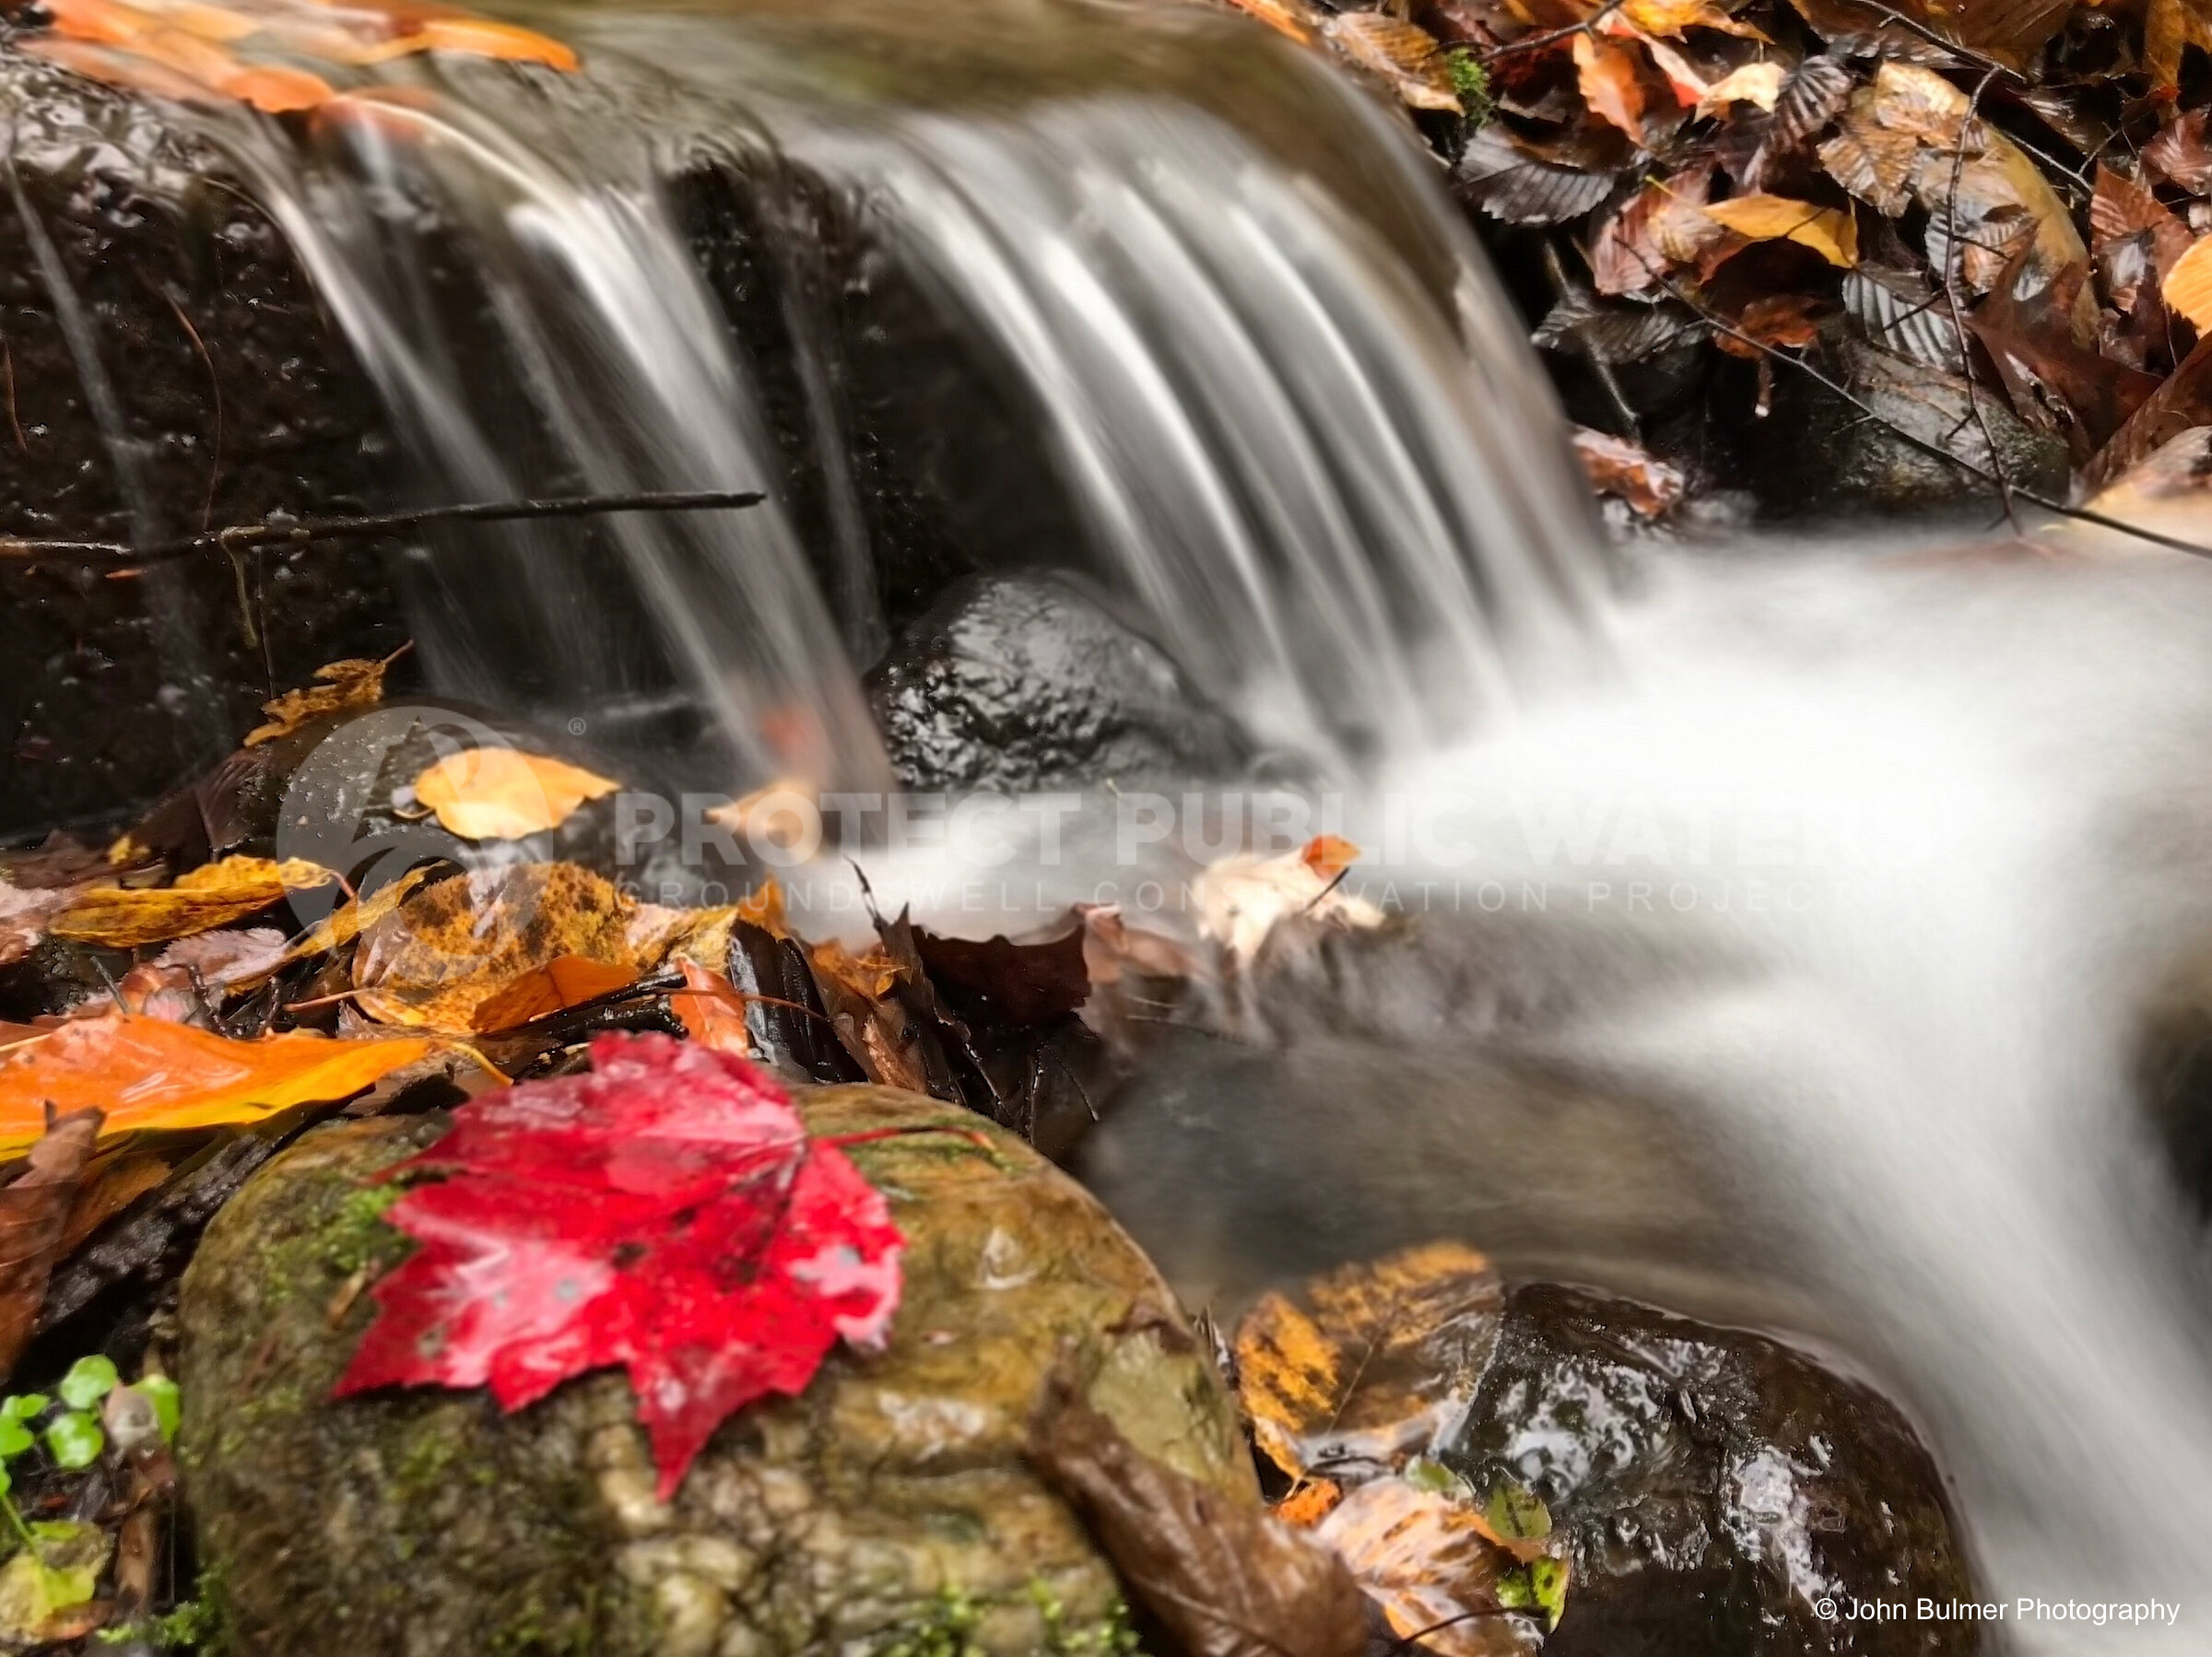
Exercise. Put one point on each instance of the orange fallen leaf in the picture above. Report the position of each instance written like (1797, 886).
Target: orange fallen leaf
(1293, 18)
(216, 895)
(713, 1010)
(1328, 855)
(1670, 18)
(1606, 74)
(146, 1072)
(349, 684)
(2188, 285)
(34, 1211)
(1758, 83)
(1829, 232)
(565, 981)
(104, 22)
(1310, 1503)
(502, 793)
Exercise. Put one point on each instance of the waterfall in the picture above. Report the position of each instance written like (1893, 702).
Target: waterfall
(1261, 363)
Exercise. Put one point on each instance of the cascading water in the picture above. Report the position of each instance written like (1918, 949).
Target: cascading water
(1278, 439)
(1280, 398)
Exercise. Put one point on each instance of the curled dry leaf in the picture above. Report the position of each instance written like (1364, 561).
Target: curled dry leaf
(1367, 1366)
(1223, 1578)
(1241, 899)
(345, 685)
(1829, 232)
(1432, 1564)
(502, 793)
(148, 1072)
(34, 1213)
(433, 960)
(1404, 54)
(213, 896)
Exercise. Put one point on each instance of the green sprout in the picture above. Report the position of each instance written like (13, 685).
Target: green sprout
(1471, 80)
(75, 1440)
(90, 1381)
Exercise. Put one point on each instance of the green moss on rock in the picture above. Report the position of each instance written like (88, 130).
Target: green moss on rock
(426, 1524)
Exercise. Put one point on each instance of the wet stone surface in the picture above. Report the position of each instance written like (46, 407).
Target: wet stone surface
(888, 1502)
(1714, 1486)
(1018, 682)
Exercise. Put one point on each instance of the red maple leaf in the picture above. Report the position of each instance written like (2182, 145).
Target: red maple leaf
(664, 1211)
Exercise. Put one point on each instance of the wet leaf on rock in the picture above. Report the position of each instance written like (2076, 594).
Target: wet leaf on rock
(1241, 899)
(1432, 1565)
(1610, 83)
(1829, 232)
(1224, 1579)
(1369, 1365)
(214, 894)
(147, 1073)
(1617, 466)
(1405, 56)
(503, 793)
(345, 685)
(665, 1212)
(1512, 182)
(2181, 152)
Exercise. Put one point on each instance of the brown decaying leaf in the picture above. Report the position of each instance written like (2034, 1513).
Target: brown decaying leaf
(1662, 226)
(1404, 54)
(209, 897)
(2121, 206)
(1617, 466)
(34, 1210)
(453, 945)
(1224, 1579)
(713, 1010)
(1112, 948)
(1369, 1365)
(220, 960)
(111, 1182)
(1433, 1566)
(2183, 402)
(999, 980)
(2183, 153)
(2032, 342)
(1829, 232)
(1606, 74)
(503, 793)
(1500, 173)
(1873, 162)
(2012, 31)
(870, 1023)
(347, 685)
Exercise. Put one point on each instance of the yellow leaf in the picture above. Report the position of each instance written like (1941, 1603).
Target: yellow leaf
(435, 959)
(216, 895)
(1670, 18)
(1369, 1365)
(348, 922)
(149, 1073)
(1758, 83)
(350, 684)
(1827, 230)
(2188, 285)
(499, 794)
(1404, 54)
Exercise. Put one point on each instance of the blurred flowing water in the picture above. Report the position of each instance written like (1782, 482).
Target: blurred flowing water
(1306, 449)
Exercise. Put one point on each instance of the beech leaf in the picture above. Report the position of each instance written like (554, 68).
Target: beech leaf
(665, 1211)
(213, 896)
(1431, 1564)
(1829, 232)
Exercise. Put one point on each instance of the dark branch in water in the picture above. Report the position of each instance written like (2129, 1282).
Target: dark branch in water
(282, 531)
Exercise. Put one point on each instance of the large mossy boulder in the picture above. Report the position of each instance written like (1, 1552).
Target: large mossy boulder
(886, 1510)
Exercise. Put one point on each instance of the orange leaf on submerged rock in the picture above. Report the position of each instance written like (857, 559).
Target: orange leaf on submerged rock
(502, 793)
(146, 1072)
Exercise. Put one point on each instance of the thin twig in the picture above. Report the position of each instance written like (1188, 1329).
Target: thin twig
(280, 531)
(1979, 59)
(1954, 261)
(1551, 37)
(2079, 514)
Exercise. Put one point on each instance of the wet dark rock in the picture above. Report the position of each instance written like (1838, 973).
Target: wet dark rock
(1714, 1487)
(890, 1501)
(1816, 455)
(236, 398)
(1021, 682)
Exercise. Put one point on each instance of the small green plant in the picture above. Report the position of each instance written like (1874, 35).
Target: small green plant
(72, 1436)
(189, 1627)
(1471, 80)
